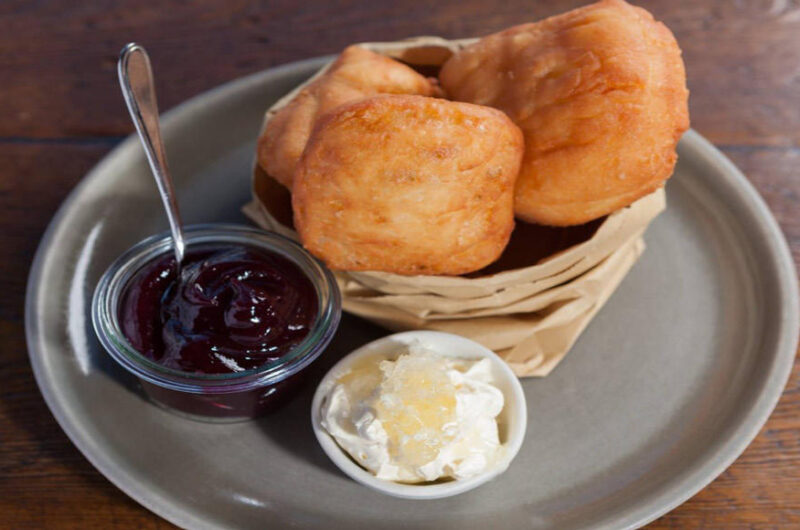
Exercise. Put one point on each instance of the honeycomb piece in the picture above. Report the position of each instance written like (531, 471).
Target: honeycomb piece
(416, 405)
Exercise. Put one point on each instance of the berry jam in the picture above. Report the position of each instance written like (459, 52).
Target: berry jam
(231, 309)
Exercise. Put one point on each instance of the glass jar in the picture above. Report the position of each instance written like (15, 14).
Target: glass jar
(227, 397)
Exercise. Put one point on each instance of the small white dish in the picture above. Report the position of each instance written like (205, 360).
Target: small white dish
(511, 422)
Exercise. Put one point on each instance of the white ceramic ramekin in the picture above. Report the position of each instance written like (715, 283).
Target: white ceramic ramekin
(512, 420)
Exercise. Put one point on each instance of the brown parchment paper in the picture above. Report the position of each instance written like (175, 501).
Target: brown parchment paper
(530, 313)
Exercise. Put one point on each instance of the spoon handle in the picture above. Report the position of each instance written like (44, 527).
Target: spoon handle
(136, 81)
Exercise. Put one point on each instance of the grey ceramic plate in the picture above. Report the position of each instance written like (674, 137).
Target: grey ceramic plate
(662, 392)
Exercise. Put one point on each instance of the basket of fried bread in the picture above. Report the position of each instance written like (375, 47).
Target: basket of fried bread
(497, 188)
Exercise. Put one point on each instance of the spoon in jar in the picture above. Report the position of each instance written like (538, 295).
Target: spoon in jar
(136, 81)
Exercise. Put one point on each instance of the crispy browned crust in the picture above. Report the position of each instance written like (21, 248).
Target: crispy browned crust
(357, 73)
(408, 184)
(600, 95)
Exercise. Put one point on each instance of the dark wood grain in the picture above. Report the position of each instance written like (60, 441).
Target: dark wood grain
(61, 112)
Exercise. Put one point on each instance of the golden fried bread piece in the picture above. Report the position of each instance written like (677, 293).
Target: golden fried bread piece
(357, 73)
(408, 184)
(600, 95)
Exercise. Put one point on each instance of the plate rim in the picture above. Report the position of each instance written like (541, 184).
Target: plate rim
(664, 500)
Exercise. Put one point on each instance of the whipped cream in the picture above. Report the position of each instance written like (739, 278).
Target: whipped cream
(418, 418)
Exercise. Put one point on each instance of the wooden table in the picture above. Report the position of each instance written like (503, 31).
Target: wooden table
(61, 111)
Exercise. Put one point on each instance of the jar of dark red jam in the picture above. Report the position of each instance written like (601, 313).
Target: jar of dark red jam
(255, 310)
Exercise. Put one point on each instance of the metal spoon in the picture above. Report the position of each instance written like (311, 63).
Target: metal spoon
(136, 81)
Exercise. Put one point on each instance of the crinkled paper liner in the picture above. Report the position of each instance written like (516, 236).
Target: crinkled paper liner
(530, 316)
